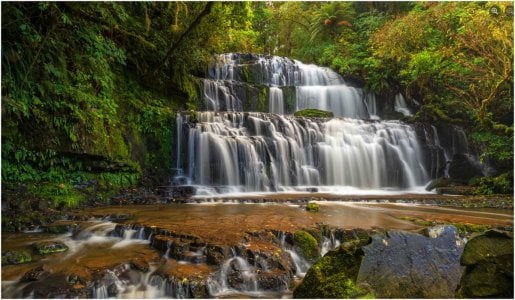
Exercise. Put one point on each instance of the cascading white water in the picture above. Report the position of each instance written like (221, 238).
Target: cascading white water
(265, 152)
(401, 106)
(316, 87)
(276, 102)
(219, 285)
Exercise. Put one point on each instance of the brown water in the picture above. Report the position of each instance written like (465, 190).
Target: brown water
(228, 222)
(224, 224)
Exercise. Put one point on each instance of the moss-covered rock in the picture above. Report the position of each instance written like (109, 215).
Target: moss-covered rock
(439, 182)
(334, 276)
(312, 207)
(46, 248)
(313, 113)
(306, 245)
(489, 266)
(15, 257)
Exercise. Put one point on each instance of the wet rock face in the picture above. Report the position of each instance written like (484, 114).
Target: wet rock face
(489, 266)
(462, 168)
(411, 265)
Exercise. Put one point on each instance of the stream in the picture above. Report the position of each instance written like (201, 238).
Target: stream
(219, 249)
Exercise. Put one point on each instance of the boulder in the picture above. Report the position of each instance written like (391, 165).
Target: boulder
(306, 245)
(51, 247)
(412, 265)
(35, 274)
(489, 266)
(334, 275)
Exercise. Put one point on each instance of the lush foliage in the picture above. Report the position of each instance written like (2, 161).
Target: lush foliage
(103, 80)
(95, 84)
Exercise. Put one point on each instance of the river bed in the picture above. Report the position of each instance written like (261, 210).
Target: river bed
(94, 248)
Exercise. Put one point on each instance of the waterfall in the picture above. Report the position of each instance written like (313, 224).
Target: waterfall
(267, 152)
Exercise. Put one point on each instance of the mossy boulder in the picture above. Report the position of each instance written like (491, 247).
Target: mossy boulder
(306, 245)
(313, 207)
(334, 276)
(489, 266)
(313, 113)
(16, 257)
(46, 248)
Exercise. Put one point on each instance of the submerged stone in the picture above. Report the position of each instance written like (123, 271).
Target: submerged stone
(35, 274)
(15, 257)
(489, 266)
(45, 248)
(313, 207)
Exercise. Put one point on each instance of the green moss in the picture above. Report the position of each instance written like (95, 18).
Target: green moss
(263, 98)
(418, 221)
(247, 73)
(46, 248)
(470, 228)
(290, 98)
(193, 116)
(334, 276)
(16, 257)
(313, 113)
(312, 207)
(306, 244)
(502, 184)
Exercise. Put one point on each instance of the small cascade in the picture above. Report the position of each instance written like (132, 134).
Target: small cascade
(329, 243)
(371, 103)
(276, 102)
(301, 265)
(168, 248)
(342, 100)
(401, 106)
(235, 276)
